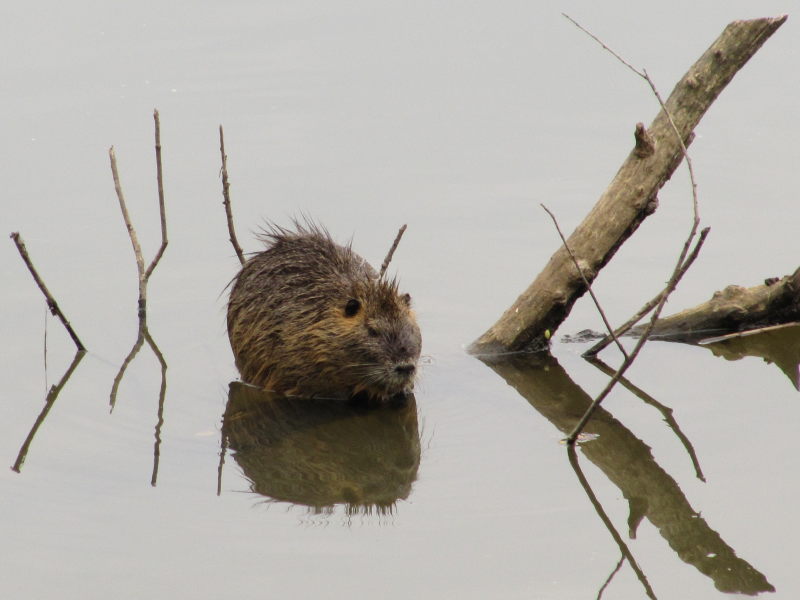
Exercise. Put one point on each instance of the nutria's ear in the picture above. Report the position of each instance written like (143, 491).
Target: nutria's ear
(406, 298)
(352, 307)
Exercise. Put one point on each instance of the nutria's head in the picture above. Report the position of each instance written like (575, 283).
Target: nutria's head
(379, 339)
(310, 317)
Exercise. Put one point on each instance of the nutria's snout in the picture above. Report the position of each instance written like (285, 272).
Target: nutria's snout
(406, 369)
(310, 317)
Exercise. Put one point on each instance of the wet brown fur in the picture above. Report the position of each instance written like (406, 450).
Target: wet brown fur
(309, 317)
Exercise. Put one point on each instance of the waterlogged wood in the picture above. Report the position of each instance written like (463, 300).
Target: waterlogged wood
(629, 199)
(734, 309)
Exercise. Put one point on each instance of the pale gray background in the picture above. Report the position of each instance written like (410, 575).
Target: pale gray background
(457, 118)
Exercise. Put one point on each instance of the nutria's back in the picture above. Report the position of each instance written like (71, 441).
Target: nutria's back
(310, 317)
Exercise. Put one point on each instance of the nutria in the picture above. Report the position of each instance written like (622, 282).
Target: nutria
(308, 317)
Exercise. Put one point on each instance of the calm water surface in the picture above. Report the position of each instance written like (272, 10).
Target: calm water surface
(458, 119)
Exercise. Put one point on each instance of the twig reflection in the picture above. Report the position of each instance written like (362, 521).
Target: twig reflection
(626, 553)
(778, 345)
(143, 333)
(223, 449)
(161, 395)
(665, 411)
(51, 398)
(629, 464)
(608, 580)
(124, 366)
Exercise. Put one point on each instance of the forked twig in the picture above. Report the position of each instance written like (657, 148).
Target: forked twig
(390, 254)
(625, 327)
(226, 198)
(628, 361)
(51, 302)
(143, 275)
(586, 282)
(644, 75)
(682, 258)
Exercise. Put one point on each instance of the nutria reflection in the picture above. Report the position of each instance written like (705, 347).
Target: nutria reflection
(309, 317)
(320, 453)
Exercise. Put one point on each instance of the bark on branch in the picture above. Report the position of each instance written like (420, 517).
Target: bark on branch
(735, 308)
(631, 196)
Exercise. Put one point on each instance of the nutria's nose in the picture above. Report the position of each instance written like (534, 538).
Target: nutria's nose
(405, 369)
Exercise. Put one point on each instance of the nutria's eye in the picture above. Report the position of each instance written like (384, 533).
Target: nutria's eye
(352, 307)
(406, 298)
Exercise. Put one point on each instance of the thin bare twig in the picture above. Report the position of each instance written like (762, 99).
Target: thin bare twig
(628, 361)
(51, 302)
(161, 209)
(625, 327)
(137, 249)
(586, 282)
(144, 275)
(644, 75)
(676, 273)
(390, 254)
(599, 41)
(226, 198)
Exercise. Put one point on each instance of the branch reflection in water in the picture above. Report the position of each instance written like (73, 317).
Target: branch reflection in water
(321, 453)
(778, 345)
(144, 278)
(626, 553)
(51, 398)
(628, 463)
(144, 336)
(665, 411)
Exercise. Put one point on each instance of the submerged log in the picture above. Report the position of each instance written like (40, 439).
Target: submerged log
(629, 199)
(734, 309)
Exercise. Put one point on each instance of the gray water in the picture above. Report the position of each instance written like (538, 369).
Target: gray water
(457, 119)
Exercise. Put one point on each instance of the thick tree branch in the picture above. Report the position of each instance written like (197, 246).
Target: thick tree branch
(733, 309)
(630, 197)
